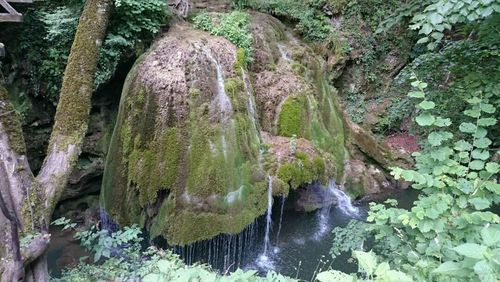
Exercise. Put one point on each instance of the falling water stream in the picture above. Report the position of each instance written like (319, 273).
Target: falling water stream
(250, 102)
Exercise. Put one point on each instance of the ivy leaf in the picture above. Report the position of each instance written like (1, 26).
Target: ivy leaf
(467, 127)
(485, 272)
(426, 29)
(470, 250)
(492, 167)
(435, 18)
(417, 94)
(480, 203)
(427, 105)
(490, 235)
(474, 112)
(334, 275)
(492, 186)
(488, 108)
(486, 121)
(474, 100)
(480, 154)
(437, 138)
(480, 133)
(476, 165)
(442, 122)
(465, 186)
(449, 268)
(482, 143)
(367, 261)
(463, 145)
(425, 119)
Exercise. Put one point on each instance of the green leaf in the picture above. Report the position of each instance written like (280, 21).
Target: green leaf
(463, 145)
(442, 122)
(486, 121)
(492, 186)
(492, 167)
(474, 100)
(367, 261)
(475, 112)
(476, 165)
(435, 18)
(480, 133)
(488, 108)
(427, 105)
(485, 271)
(467, 127)
(436, 138)
(153, 277)
(482, 143)
(448, 268)
(471, 250)
(426, 29)
(425, 119)
(465, 186)
(490, 235)
(480, 154)
(334, 275)
(480, 203)
(417, 94)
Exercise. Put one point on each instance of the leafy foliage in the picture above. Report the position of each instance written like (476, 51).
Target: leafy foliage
(448, 232)
(370, 270)
(351, 237)
(311, 22)
(118, 257)
(234, 26)
(441, 15)
(46, 37)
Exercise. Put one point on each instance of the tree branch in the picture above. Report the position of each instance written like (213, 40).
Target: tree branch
(74, 105)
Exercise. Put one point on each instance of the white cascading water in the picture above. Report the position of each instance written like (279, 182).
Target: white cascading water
(344, 203)
(225, 106)
(283, 198)
(269, 221)
(263, 261)
(251, 107)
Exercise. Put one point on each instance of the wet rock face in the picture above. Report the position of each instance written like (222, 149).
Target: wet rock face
(198, 132)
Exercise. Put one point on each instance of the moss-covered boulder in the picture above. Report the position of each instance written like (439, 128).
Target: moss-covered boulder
(184, 155)
(199, 135)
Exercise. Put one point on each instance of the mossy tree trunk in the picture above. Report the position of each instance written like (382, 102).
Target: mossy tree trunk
(27, 202)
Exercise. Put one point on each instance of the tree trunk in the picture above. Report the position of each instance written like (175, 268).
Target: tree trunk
(27, 203)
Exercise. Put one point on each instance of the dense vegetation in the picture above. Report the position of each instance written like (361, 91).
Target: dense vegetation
(448, 85)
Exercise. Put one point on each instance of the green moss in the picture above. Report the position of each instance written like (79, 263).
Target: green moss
(302, 171)
(11, 123)
(155, 167)
(292, 118)
(235, 89)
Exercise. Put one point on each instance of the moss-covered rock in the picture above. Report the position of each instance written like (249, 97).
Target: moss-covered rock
(188, 161)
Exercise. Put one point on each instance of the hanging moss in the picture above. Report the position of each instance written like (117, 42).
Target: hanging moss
(155, 167)
(302, 171)
(292, 117)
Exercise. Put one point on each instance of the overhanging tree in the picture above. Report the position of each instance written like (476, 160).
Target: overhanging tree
(28, 201)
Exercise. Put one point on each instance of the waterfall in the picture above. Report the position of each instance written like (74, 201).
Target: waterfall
(343, 201)
(269, 213)
(224, 102)
(225, 107)
(251, 107)
(283, 198)
(284, 53)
